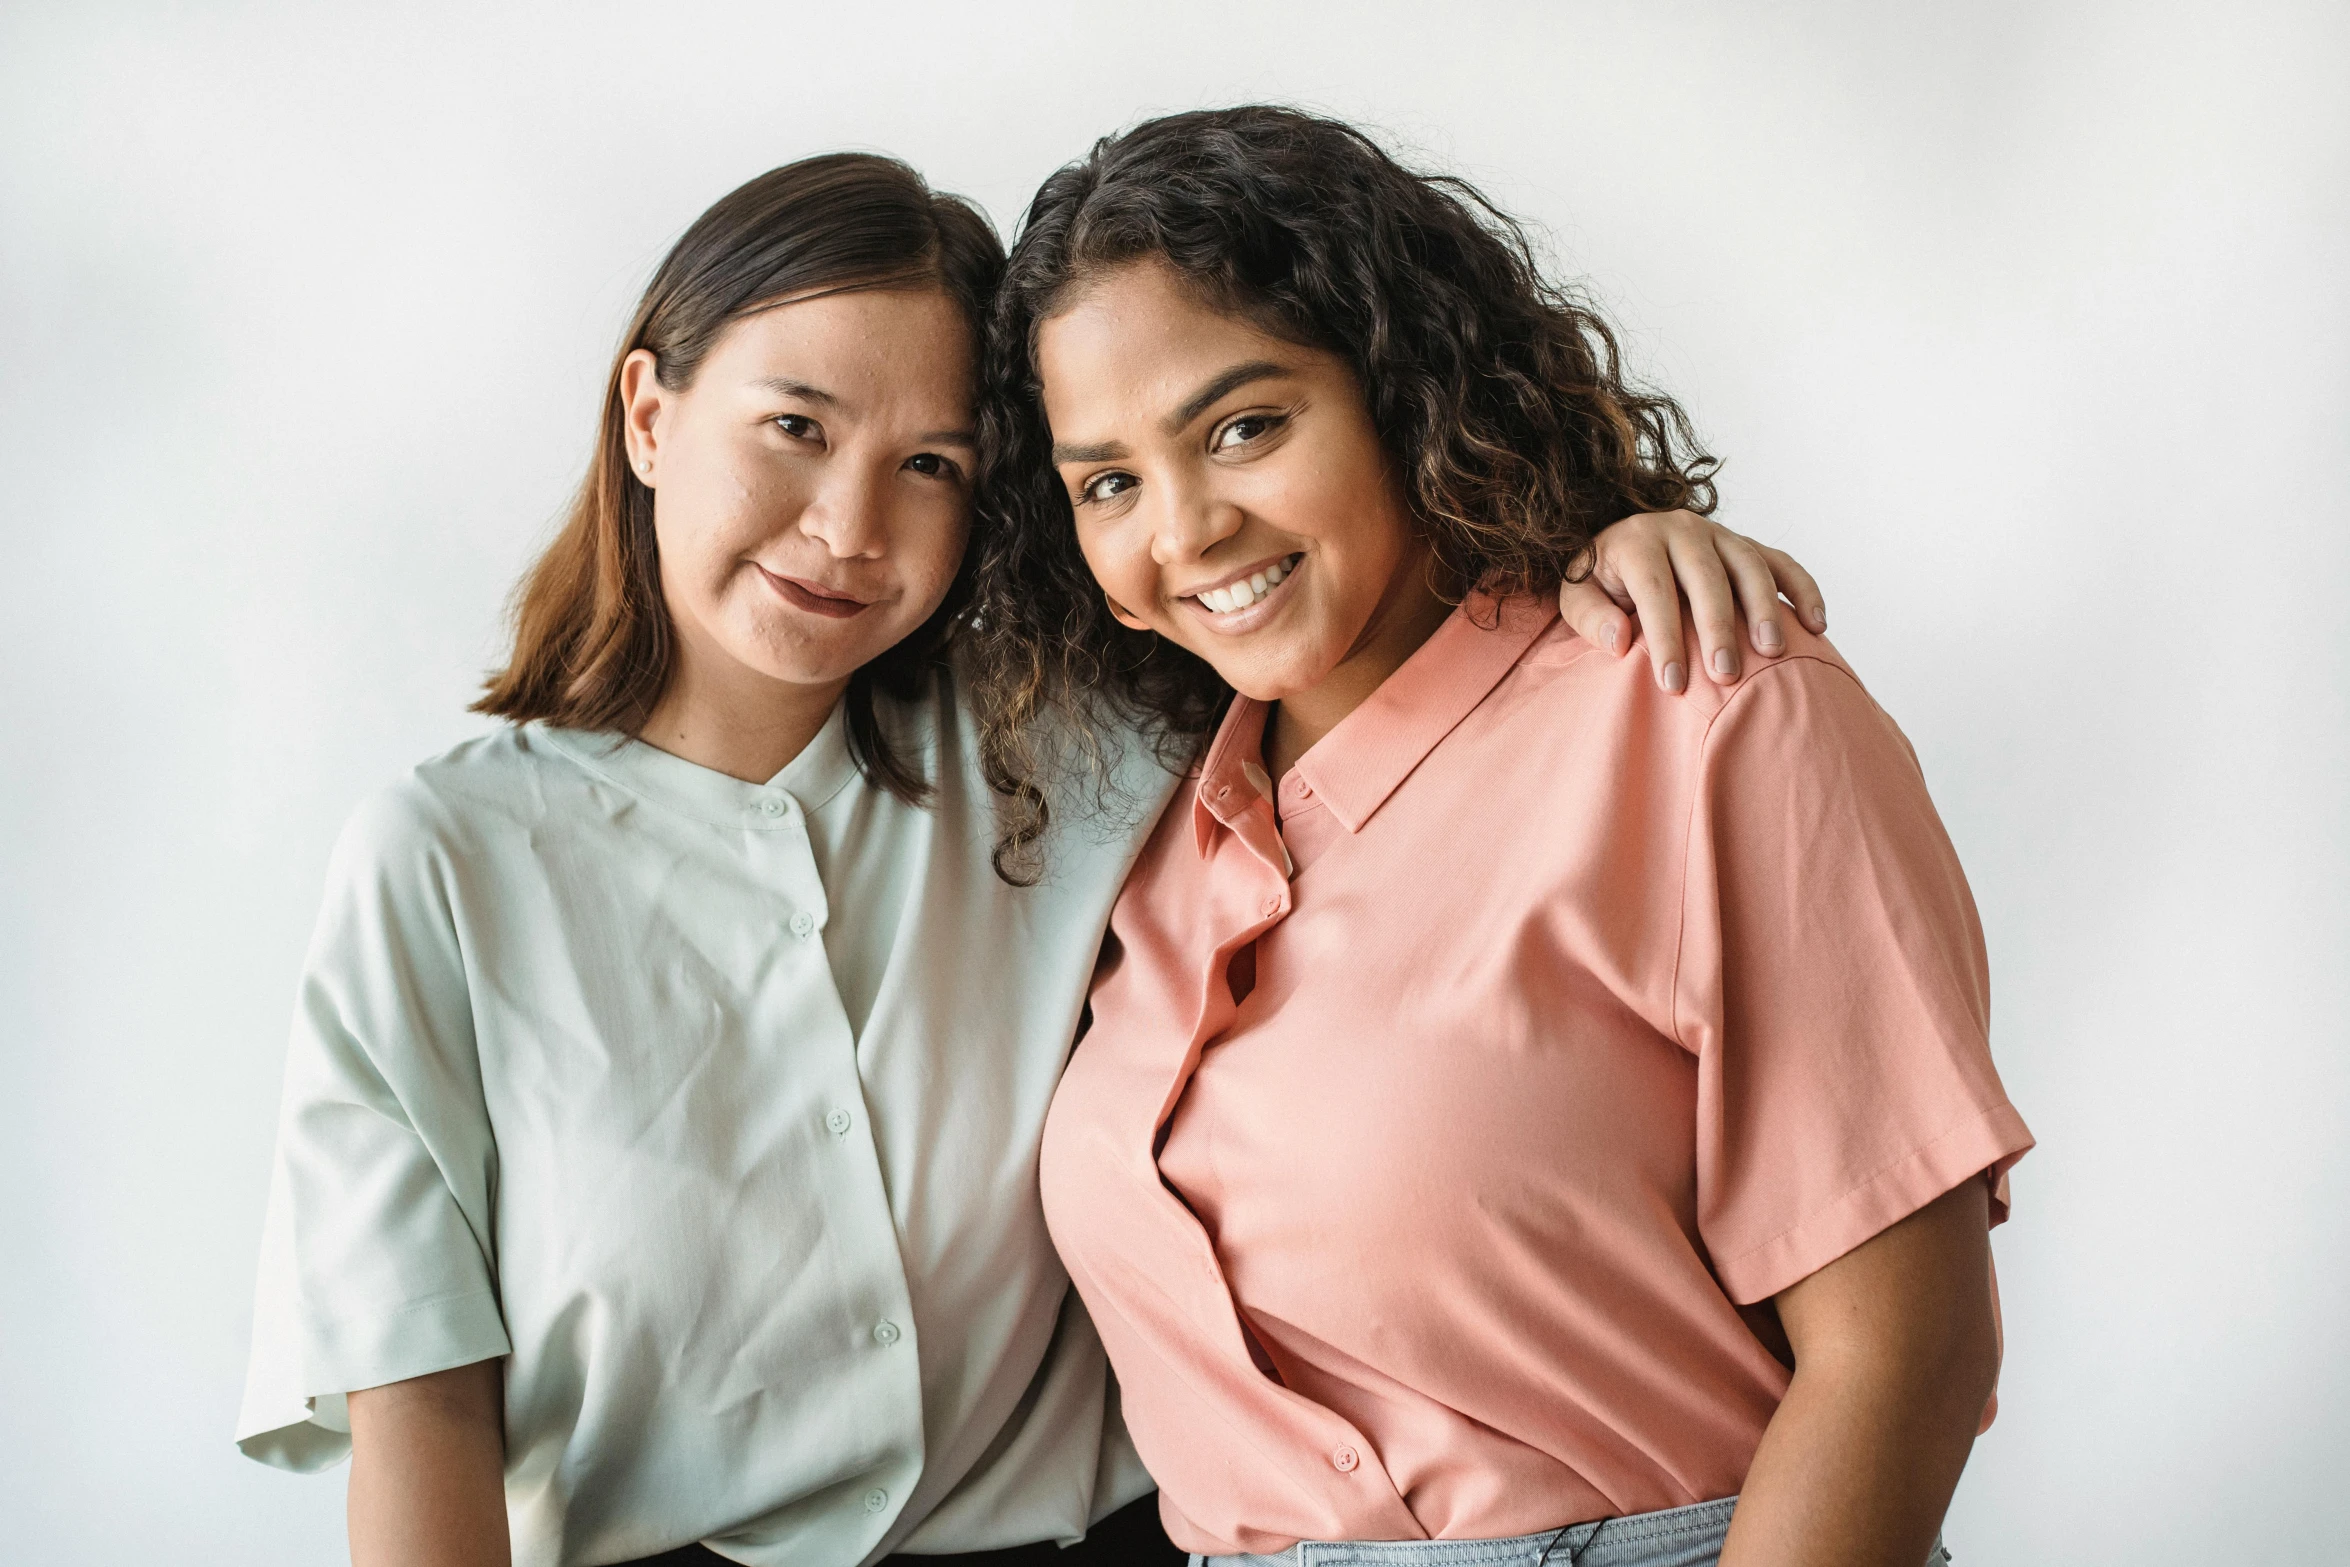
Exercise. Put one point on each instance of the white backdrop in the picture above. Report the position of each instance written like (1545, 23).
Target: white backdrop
(2026, 325)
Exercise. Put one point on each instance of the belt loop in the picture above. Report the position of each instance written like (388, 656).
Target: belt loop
(1574, 1552)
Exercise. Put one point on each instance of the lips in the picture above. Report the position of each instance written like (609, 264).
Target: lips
(814, 597)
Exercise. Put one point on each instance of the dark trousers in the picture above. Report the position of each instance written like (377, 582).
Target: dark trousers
(1129, 1537)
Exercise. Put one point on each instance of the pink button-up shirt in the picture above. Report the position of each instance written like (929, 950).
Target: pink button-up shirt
(1436, 1136)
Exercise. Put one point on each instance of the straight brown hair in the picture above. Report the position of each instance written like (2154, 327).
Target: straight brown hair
(593, 645)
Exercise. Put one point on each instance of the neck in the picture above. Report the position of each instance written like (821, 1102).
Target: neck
(1407, 617)
(748, 727)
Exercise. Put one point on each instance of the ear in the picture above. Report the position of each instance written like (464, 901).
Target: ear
(642, 401)
(1124, 616)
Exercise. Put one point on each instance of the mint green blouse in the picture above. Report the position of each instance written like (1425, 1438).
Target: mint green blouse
(713, 1109)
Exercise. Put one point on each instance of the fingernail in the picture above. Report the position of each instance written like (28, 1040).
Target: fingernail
(1819, 617)
(1725, 661)
(1615, 637)
(1676, 678)
(1767, 637)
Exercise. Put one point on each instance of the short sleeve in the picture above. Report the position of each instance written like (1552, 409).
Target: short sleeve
(1832, 983)
(377, 1251)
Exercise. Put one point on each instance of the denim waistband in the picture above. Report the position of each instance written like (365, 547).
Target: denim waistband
(1678, 1537)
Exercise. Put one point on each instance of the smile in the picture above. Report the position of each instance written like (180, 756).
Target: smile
(1227, 605)
(809, 596)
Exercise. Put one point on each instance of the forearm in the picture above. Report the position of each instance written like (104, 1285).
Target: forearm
(1849, 1477)
(1858, 1464)
(428, 1484)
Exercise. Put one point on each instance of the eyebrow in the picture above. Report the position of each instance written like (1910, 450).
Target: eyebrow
(785, 386)
(1199, 402)
(1101, 451)
(1216, 391)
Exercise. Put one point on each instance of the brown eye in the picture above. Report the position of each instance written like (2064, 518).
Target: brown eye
(1241, 431)
(799, 427)
(1107, 486)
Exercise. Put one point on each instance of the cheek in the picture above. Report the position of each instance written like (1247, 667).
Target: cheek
(1118, 550)
(692, 544)
(928, 560)
(713, 506)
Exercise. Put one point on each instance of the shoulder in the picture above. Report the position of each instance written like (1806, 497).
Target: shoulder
(448, 804)
(1589, 692)
(1105, 778)
(1807, 710)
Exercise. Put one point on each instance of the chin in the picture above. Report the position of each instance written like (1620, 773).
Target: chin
(1270, 680)
(790, 655)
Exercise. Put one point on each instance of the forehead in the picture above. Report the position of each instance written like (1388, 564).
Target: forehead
(1140, 332)
(908, 347)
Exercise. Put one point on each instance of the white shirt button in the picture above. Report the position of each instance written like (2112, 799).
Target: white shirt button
(885, 1333)
(771, 806)
(1344, 1460)
(876, 1499)
(803, 924)
(838, 1122)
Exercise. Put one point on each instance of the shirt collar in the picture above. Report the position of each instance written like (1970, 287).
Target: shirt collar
(1358, 765)
(807, 782)
(1225, 793)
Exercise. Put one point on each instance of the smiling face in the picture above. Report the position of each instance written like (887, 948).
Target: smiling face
(810, 491)
(1231, 493)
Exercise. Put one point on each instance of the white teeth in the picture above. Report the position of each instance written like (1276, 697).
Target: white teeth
(1240, 595)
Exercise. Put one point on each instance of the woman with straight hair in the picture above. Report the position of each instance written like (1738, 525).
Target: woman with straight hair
(1525, 1118)
(656, 1178)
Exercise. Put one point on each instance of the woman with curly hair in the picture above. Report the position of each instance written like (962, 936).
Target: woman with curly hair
(1519, 1107)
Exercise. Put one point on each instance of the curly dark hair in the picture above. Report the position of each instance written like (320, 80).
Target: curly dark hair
(1499, 394)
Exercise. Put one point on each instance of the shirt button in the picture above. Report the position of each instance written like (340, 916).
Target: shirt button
(1272, 905)
(803, 924)
(876, 1499)
(771, 806)
(1344, 1460)
(839, 1122)
(885, 1333)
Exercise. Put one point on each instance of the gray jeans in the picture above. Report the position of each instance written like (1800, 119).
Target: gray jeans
(1680, 1537)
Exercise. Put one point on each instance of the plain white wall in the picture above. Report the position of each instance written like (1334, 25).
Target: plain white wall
(2026, 325)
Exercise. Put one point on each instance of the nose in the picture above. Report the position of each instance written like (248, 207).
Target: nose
(1191, 520)
(848, 513)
